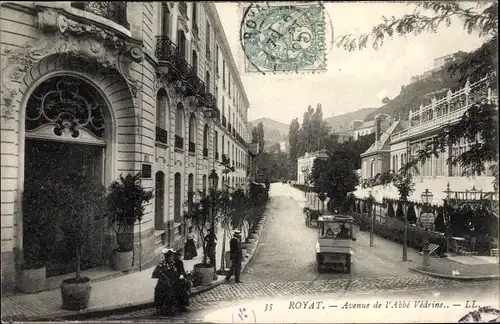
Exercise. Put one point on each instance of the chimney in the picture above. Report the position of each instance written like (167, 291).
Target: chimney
(377, 131)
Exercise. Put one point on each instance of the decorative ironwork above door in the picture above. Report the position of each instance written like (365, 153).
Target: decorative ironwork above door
(69, 106)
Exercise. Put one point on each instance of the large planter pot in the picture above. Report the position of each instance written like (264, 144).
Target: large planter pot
(32, 280)
(122, 261)
(75, 293)
(206, 272)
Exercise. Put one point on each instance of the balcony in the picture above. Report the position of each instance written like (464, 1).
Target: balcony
(211, 102)
(241, 140)
(183, 8)
(192, 147)
(114, 11)
(195, 86)
(179, 142)
(166, 50)
(161, 135)
(205, 152)
(224, 121)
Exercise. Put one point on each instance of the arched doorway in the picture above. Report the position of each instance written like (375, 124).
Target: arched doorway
(177, 197)
(65, 135)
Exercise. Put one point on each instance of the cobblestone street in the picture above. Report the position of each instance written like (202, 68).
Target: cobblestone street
(284, 267)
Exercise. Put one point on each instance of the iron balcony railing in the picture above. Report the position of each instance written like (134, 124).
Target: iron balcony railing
(114, 11)
(161, 135)
(183, 8)
(166, 50)
(192, 147)
(179, 142)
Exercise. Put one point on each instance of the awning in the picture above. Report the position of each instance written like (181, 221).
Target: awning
(436, 186)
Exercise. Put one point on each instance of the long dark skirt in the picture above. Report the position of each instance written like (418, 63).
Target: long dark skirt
(190, 250)
(165, 297)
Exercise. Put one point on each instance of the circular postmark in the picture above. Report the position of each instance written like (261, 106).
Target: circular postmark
(283, 38)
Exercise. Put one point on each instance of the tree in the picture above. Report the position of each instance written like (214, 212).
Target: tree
(258, 135)
(481, 118)
(293, 138)
(386, 100)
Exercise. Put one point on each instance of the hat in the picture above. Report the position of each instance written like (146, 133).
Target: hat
(237, 232)
(167, 251)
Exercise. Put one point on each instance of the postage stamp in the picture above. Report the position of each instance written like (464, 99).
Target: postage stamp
(283, 38)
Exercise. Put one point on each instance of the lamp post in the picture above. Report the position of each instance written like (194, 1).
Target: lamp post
(426, 220)
(371, 215)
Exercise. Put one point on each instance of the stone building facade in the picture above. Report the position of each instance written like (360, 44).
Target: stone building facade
(148, 87)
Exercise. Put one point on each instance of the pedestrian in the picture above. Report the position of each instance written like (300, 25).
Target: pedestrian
(166, 273)
(190, 246)
(182, 285)
(236, 257)
(211, 244)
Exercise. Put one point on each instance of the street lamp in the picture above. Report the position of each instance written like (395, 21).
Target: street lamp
(371, 215)
(213, 181)
(426, 220)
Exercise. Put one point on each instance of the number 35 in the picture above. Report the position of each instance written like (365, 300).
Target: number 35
(269, 307)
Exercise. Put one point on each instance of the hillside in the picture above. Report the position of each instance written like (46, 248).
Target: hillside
(274, 131)
(341, 122)
(416, 93)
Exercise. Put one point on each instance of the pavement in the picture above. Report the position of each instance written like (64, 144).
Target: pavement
(283, 268)
(118, 294)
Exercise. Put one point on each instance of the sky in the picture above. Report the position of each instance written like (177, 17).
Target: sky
(353, 80)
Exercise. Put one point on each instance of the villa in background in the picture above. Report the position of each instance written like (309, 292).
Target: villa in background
(437, 64)
(358, 128)
(404, 138)
(305, 164)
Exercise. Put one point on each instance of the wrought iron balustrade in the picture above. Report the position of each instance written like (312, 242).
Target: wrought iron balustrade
(224, 121)
(205, 152)
(161, 135)
(183, 8)
(192, 147)
(166, 50)
(115, 11)
(179, 142)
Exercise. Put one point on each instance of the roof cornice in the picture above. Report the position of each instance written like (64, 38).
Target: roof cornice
(213, 15)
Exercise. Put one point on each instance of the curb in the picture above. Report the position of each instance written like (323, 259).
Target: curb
(106, 311)
(457, 278)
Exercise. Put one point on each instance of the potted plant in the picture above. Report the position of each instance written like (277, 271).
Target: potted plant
(36, 226)
(81, 205)
(205, 215)
(125, 202)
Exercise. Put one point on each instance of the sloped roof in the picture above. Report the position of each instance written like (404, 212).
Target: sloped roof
(385, 138)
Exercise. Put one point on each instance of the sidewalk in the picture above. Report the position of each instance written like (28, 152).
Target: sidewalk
(127, 292)
(456, 268)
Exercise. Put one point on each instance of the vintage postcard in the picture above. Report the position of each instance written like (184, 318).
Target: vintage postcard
(250, 162)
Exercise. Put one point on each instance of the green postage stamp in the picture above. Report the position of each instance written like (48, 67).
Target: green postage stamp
(281, 39)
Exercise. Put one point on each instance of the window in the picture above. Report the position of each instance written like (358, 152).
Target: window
(192, 133)
(208, 40)
(165, 21)
(207, 81)
(222, 143)
(204, 184)
(161, 109)
(217, 59)
(181, 43)
(229, 83)
(194, 18)
(194, 62)
(205, 140)
(223, 105)
(216, 144)
(179, 126)
(223, 73)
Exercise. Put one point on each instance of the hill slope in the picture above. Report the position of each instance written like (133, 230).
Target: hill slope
(274, 131)
(341, 123)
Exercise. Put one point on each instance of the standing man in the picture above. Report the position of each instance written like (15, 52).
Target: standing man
(182, 288)
(236, 257)
(211, 244)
